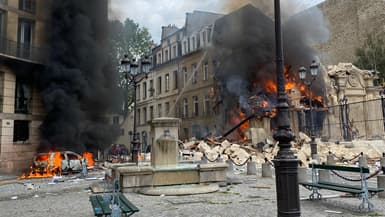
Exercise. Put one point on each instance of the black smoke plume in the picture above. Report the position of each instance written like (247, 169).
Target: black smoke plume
(244, 50)
(78, 86)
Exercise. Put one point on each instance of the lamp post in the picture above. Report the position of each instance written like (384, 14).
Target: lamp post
(286, 164)
(302, 76)
(134, 74)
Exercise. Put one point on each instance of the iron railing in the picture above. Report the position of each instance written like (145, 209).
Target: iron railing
(22, 50)
(347, 121)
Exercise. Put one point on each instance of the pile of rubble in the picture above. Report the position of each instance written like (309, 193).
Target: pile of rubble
(240, 152)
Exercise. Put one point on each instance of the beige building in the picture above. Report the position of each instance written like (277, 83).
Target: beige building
(180, 82)
(23, 27)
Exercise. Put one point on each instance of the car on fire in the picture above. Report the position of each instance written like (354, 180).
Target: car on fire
(70, 161)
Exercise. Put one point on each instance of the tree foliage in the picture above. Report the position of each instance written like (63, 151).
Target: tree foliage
(131, 39)
(371, 55)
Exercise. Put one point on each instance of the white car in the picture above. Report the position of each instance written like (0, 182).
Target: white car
(70, 161)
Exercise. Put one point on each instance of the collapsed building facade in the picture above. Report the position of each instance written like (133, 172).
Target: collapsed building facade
(240, 59)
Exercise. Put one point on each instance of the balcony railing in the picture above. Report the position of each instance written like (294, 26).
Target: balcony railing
(22, 50)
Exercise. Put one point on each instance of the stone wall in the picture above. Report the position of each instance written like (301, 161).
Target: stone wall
(349, 23)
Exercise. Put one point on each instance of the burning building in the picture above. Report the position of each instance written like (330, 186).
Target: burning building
(245, 69)
(239, 58)
(56, 82)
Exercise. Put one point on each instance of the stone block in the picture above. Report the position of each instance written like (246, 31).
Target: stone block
(213, 172)
(175, 177)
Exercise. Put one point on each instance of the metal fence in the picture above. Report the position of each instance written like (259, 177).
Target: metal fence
(344, 122)
(22, 50)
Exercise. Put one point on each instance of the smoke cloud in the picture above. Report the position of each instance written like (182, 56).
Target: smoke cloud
(244, 48)
(78, 86)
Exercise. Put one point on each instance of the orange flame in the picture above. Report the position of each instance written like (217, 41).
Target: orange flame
(46, 165)
(90, 158)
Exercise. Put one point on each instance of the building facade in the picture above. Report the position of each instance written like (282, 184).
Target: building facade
(23, 28)
(181, 79)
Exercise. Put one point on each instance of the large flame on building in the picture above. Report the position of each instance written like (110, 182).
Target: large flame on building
(263, 103)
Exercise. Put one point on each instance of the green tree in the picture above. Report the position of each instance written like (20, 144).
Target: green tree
(130, 39)
(371, 55)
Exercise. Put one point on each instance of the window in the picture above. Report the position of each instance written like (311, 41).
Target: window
(208, 35)
(196, 106)
(185, 132)
(20, 130)
(25, 34)
(145, 115)
(151, 112)
(166, 56)
(151, 88)
(167, 80)
(2, 26)
(185, 75)
(167, 108)
(121, 131)
(4, 2)
(193, 43)
(159, 61)
(194, 73)
(185, 108)
(206, 105)
(174, 51)
(184, 47)
(205, 71)
(144, 90)
(23, 97)
(159, 85)
(27, 5)
(115, 120)
(204, 38)
(138, 92)
(159, 110)
(175, 80)
(1, 91)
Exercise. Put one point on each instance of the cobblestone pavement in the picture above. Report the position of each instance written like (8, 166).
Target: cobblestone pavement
(255, 197)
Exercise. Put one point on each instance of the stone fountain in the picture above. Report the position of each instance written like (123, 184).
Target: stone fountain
(165, 171)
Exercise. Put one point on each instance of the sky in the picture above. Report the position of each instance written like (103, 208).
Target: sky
(153, 14)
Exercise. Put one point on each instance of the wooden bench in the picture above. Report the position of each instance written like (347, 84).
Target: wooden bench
(362, 191)
(103, 204)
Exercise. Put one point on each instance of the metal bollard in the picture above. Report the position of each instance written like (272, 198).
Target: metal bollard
(382, 163)
(381, 184)
(267, 169)
(230, 167)
(316, 158)
(251, 167)
(330, 159)
(220, 159)
(363, 162)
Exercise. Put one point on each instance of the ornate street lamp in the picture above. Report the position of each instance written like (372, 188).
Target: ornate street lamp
(134, 74)
(302, 76)
(286, 164)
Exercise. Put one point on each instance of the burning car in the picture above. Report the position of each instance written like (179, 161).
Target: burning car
(55, 163)
(70, 161)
